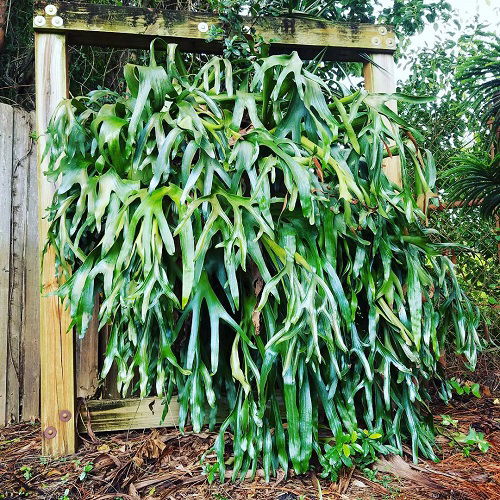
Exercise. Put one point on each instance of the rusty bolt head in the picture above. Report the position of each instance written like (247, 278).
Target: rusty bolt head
(64, 415)
(50, 432)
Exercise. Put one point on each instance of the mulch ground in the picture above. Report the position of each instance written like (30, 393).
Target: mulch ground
(163, 464)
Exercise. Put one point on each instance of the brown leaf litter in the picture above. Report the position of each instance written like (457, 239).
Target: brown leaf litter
(163, 464)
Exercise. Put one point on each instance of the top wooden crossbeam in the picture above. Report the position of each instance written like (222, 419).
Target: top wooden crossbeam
(135, 27)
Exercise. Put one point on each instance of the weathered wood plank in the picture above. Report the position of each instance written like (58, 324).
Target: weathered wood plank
(126, 414)
(31, 333)
(87, 358)
(20, 170)
(135, 27)
(56, 343)
(380, 77)
(6, 138)
(109, 384)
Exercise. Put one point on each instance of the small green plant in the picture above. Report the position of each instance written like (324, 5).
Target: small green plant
(470, 441)
(348, 449)
(65, 495)
(86, 469)
(218, 496)
(464, 387)
(211, 471)
(27, 472)
(448, 421)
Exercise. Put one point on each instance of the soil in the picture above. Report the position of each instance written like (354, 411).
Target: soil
(163, 464)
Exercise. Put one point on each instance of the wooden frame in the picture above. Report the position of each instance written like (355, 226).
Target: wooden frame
(59, 24)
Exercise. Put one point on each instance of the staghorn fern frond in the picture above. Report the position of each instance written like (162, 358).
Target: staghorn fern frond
(250, 254)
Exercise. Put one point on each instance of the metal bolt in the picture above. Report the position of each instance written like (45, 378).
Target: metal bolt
(382, 30)
(390, 42)
(57, 21)
(39, 21)
(202, 27)
(51, 10)
(50, 432)
(376, 40)
(64, 415)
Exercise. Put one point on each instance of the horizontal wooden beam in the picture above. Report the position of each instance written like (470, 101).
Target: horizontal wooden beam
(106, 415)
(135, 27)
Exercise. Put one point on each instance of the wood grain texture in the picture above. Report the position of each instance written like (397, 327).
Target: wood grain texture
(17, 273)
(135, 27)
(56, 343)
(31, 333)
(87, 358)
(381, 78)
(126, 414)
(6, 140)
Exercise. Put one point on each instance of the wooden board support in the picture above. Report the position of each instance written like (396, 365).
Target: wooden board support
(107, 415)
(134, 27)
(380, 77)
(56, 343)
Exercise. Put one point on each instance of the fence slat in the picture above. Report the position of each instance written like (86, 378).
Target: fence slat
(30, 341)
(17, 273)
(6, 133)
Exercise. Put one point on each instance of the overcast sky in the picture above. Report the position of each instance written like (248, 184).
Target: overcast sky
(487, 10)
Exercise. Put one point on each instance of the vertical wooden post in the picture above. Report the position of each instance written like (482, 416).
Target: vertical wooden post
(381, 78)
(87, 357)
(56, 343)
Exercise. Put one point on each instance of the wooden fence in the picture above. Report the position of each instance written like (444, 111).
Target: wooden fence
(20, 283)
(19, 268)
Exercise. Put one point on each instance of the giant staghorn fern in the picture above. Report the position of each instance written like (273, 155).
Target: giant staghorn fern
(250, 254)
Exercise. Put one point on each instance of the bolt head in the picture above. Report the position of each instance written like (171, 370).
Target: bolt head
(202, 27)
(376, 40)
(57, 21)
(382, 30)
(39, 21)
(50, 10)
(390, 42)
(50, 432)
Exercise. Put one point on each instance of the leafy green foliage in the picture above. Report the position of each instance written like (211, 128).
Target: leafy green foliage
(86, 469)
(471, 440)
(447, 421)
(358, 448)
(476, 178)
(464, 388)
(456, 134)
(481, 72)
(250, 254)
